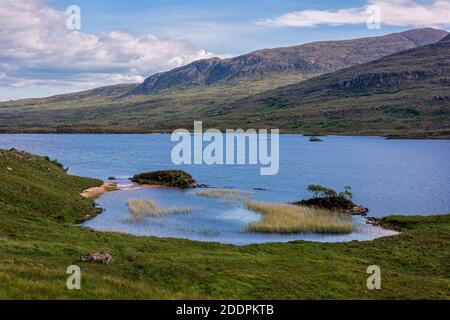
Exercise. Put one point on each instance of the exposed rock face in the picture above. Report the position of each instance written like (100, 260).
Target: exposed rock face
(379, 222)
(309, 59)
(445, 39)
(374, 80)
(426, 67)
(98, 257)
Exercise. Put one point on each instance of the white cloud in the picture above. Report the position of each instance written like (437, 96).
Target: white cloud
(393, 12)
(37, 49)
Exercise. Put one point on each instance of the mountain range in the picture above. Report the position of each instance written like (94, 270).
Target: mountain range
(407, 88)
(395, 85)
(309, 59)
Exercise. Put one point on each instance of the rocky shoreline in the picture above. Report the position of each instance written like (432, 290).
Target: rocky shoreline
(357, 210)
(379, 222)
(97, 191)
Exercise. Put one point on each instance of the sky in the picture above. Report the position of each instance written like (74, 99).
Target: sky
(109, 42)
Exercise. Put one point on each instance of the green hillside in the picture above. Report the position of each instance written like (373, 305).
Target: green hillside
(39, 203)
(402, 95)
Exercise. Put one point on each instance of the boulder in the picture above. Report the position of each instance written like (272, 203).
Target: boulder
(97, 257)
(358, 210)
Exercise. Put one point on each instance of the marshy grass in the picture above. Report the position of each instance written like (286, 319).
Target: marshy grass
(142, 208)
(231, 195)
(285, 218)
(208, 231)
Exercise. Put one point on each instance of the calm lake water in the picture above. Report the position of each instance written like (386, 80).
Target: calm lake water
(387, 176)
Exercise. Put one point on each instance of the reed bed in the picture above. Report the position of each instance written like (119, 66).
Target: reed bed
(285, 218)
(231, 195)
(142, 208)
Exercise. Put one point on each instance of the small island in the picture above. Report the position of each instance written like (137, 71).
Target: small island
(169, 178)
(326, 198)
(315, 139)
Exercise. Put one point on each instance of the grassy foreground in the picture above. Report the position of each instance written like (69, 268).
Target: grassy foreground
(39, 205)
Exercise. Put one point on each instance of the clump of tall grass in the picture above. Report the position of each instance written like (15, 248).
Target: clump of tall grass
(141, 209)
(231, 195)
(285, 218)
(206, 231)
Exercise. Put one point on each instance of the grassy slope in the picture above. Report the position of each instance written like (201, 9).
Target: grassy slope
(163, 111)
(412, 104)
(402, 94)
(35, 250)
(401, 106)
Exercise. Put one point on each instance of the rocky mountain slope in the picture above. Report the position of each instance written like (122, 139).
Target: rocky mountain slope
(403, 89)
(308, 59)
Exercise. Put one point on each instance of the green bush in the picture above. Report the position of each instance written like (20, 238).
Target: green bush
(327, 198)
(171, 178)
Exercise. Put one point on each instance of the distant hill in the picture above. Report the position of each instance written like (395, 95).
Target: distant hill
(308, 59)
(108, 92)
(407, 90)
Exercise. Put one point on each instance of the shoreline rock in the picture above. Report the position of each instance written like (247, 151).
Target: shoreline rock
(358, 210)
(98, 257)
(379, 222)
(97, 191)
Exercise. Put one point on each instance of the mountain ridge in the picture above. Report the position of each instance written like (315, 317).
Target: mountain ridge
(310, 59)
(403, 88)
(404, 94)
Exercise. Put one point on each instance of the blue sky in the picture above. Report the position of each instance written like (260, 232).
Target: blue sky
(222, 27)
(126, 41)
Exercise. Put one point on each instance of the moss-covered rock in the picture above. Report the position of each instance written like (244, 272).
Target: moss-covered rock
(170, 178)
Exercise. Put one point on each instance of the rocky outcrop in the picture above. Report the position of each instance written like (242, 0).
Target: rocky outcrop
(97, 191)
(357, 210)
(380, 222)
(98, 257)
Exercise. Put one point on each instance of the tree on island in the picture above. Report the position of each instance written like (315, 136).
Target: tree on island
(328, 198)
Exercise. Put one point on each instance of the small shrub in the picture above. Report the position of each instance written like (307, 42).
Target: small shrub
(278, 102)
(319, 191)
(327, 198)
(329, 203)
(56, 163)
